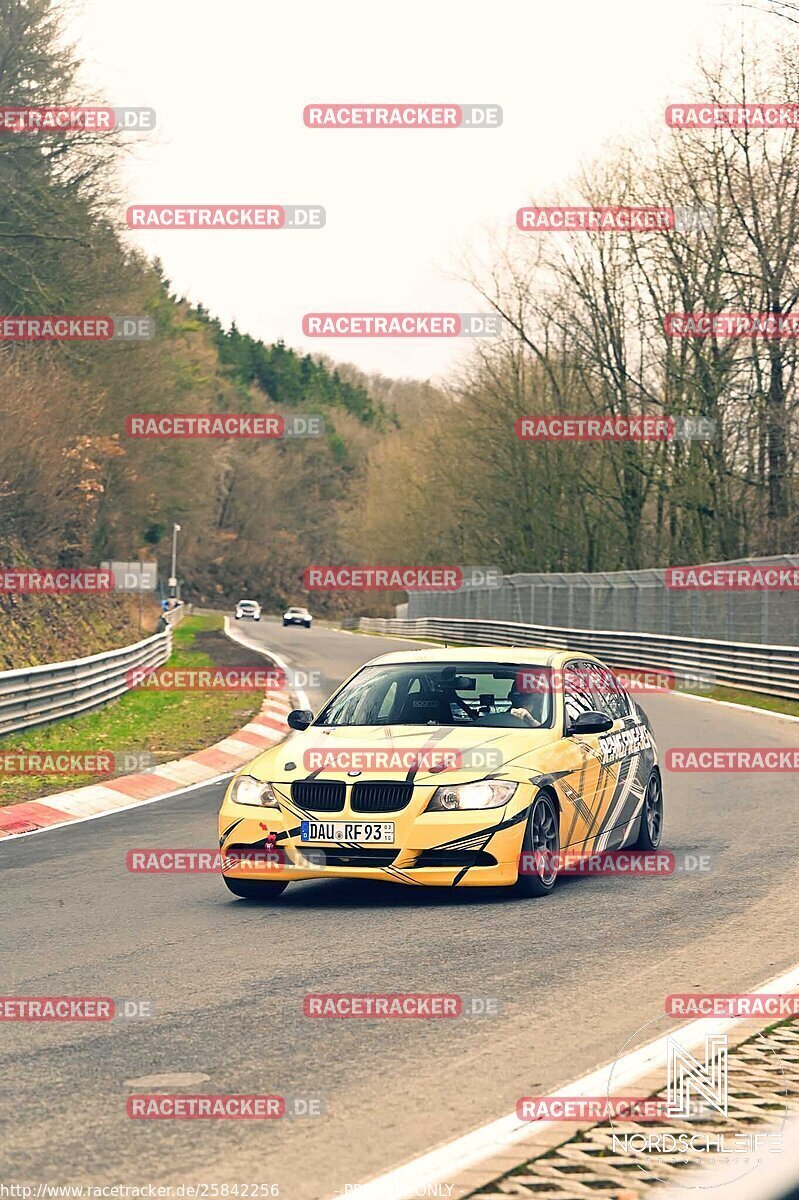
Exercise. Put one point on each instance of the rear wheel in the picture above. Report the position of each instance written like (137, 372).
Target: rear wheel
(651, 829)
(541, 843)
(255, 889)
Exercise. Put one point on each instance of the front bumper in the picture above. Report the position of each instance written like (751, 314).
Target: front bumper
(472, 848)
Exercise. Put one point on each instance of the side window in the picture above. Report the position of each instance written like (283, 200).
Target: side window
(608, 696)
(576, 696)
(620, 698)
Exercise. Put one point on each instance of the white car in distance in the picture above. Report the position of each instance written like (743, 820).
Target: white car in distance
(248, 610)
(297, 616)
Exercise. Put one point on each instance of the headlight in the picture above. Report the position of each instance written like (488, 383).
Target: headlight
(489, 793)
(247, 789)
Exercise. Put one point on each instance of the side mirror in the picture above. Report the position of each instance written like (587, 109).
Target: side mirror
(589, 722)
(299, 718)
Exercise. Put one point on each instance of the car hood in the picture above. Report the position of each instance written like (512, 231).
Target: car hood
(444, 754)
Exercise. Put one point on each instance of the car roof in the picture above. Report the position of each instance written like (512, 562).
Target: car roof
(532, 655)
(248, 601)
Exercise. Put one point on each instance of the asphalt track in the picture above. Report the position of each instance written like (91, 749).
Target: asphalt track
(574, 975)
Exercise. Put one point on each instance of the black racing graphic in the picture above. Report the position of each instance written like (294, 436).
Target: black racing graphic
(628, 790)
(229, 830)
(438, 736)
(541, 781)
(467, 841)
(631, 739)
(477, 853)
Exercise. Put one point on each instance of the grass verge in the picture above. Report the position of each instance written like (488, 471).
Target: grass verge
(168, 724)
(775, 704)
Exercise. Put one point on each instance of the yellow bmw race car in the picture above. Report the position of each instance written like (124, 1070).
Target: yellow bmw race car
(449, 768)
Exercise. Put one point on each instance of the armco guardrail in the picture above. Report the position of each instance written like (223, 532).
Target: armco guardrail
(37, 695)
(772, 670)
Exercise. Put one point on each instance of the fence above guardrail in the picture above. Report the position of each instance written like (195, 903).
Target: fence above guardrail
(624, 600)
(770, 670)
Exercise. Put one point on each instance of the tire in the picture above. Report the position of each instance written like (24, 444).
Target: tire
(540, 833)
(307, 624)
(285, 623)
(255, 889)
(650, 832)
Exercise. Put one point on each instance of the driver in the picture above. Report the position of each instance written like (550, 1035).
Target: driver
(526, 706)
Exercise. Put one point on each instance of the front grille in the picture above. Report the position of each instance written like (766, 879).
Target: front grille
(358, 856)
(319, 795)
(380, 797)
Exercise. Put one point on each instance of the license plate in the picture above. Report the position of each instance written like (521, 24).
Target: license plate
(347, 831)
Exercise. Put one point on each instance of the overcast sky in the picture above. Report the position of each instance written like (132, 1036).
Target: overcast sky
(229, 82)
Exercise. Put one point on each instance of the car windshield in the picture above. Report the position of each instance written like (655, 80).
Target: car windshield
(430, 693)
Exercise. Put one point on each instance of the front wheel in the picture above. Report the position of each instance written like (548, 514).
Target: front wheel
(651, 828)
(255, 889)
(541, 844)
(307, 624)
